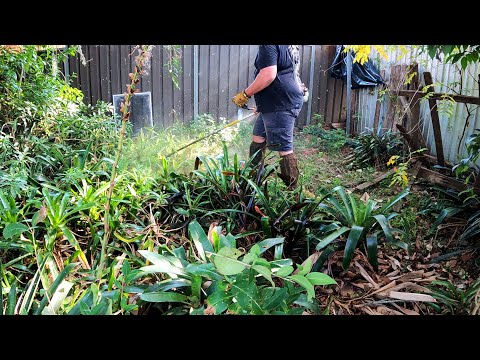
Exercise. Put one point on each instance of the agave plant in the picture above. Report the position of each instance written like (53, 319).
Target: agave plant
(360, 221)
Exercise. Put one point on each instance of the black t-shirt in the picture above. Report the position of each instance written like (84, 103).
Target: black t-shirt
(284, 92)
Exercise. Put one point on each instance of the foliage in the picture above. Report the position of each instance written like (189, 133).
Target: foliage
(362, 52)
(174, 62)
(330, 140)
(217, 274)
(362, 223)
(465, 54)
(370, 149)
(400, 175)
(22, 73)
(473, 149)
(458, 301)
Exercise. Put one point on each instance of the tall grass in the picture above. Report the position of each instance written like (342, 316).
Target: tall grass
(145, 151)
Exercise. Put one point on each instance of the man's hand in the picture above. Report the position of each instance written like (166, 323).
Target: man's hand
(240, 99)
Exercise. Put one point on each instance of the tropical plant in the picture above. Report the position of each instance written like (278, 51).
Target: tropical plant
(458, 301)
(362, 223)
(214, 272)
(370, 149)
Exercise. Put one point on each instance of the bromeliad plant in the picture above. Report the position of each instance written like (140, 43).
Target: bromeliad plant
(375, 150)
(215, 273)
(361, 222)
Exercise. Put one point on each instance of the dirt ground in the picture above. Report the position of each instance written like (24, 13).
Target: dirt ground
(404, 282)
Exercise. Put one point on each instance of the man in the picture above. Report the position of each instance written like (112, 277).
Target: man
(279, 96)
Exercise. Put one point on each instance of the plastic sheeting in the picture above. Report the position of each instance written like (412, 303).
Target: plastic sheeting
(362, 75)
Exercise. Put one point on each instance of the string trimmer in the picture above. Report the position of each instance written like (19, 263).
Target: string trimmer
(239, 118)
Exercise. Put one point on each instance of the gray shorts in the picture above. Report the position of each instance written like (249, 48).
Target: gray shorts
(277, 128)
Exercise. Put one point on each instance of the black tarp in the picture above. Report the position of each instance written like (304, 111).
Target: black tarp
(362, 75)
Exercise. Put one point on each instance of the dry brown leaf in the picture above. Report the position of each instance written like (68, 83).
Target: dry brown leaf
(392, 274)
(429, 279)
(413, 275)
(394, 262)
(410, 286)
(451, 263)
(369, 311)
(313, 258)
(411, 296)
(384, 288)
(387, 311)
(405, 311)
(367, 277)
(365, 197)
(359, 285)
(346, 291)
(210, 310)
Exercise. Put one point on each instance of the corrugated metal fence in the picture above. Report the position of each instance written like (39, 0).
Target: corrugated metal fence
(447, 78)
(222, 71)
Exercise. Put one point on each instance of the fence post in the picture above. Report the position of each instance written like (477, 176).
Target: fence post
(349, 90)
(310, 85)
(195, 81)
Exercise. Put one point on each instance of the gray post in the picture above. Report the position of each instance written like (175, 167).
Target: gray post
(310, 85)
(349, 90)
(195, 81)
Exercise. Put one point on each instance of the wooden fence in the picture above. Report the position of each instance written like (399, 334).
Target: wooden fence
(211, 76)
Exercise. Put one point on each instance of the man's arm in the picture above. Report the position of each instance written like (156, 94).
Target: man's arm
(264, 78)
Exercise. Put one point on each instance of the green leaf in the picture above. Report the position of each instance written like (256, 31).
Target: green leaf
(317, 278)
(197, 286)
(226, 261)
(32, 289)
(447, 49)
(382, 220)
(200, 239)
(400, 196)
(284, 271)
(228, 241)
(12, 299)
(54, 287)
(372, 250)
(447, 212)
(252, 255)
(104, 307)
(205, 270)
(330, 237)
(303, 281)
(162, 296)
(220, 300)
(352, 240)
(306, 267)
(276, 299)
(464, 62)
(268, 243)
(160, 264)
(265, 272)
(265, 221)
(246, 294)
(14, 229)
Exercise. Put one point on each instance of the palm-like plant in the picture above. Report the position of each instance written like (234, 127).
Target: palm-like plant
(362, 221)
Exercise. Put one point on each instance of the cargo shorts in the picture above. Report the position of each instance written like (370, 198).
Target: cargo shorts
(277, 128)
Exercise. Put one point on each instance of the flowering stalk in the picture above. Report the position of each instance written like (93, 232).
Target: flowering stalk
(141, 61)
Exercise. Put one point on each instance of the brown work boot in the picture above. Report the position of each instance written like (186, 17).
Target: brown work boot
(289, 170)
(254, 147)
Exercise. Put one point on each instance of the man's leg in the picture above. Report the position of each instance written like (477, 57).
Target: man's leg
(258, 144)
(279, 127)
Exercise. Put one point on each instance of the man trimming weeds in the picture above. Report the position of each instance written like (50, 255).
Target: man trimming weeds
(279, 95)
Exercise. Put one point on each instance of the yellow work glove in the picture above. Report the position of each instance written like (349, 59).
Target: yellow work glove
(241, 99)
